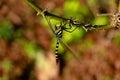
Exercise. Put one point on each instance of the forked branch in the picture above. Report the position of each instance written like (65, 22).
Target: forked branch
(70, 21)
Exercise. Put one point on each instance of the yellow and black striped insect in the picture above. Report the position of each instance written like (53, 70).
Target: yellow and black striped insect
(58, 32)
(59, 29)
(68, 27)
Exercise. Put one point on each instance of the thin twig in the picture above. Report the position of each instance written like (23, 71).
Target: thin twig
(41, 11)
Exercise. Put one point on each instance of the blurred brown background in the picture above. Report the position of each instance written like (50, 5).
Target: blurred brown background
(27, 44)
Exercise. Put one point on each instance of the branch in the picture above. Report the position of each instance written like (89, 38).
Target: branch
(41, 11)
(71, 22)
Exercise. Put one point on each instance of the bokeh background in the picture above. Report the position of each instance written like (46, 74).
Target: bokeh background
(27, 45)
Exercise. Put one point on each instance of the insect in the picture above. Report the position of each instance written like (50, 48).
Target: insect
(68, 25)
(59, 31)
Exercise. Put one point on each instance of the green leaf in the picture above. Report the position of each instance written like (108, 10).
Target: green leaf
(6, 30)
(71, 7)
(117, 39)
(7, 65)
(74, 36)
(29, 47)
(86, 45)
(106, 78)
(102, 20)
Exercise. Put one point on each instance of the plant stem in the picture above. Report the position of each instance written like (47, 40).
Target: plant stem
(44, 12)
(40, 10)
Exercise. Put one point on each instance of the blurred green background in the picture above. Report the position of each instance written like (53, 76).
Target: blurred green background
(27, 45)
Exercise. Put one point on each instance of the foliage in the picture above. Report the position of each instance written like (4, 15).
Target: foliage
(6, 30)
